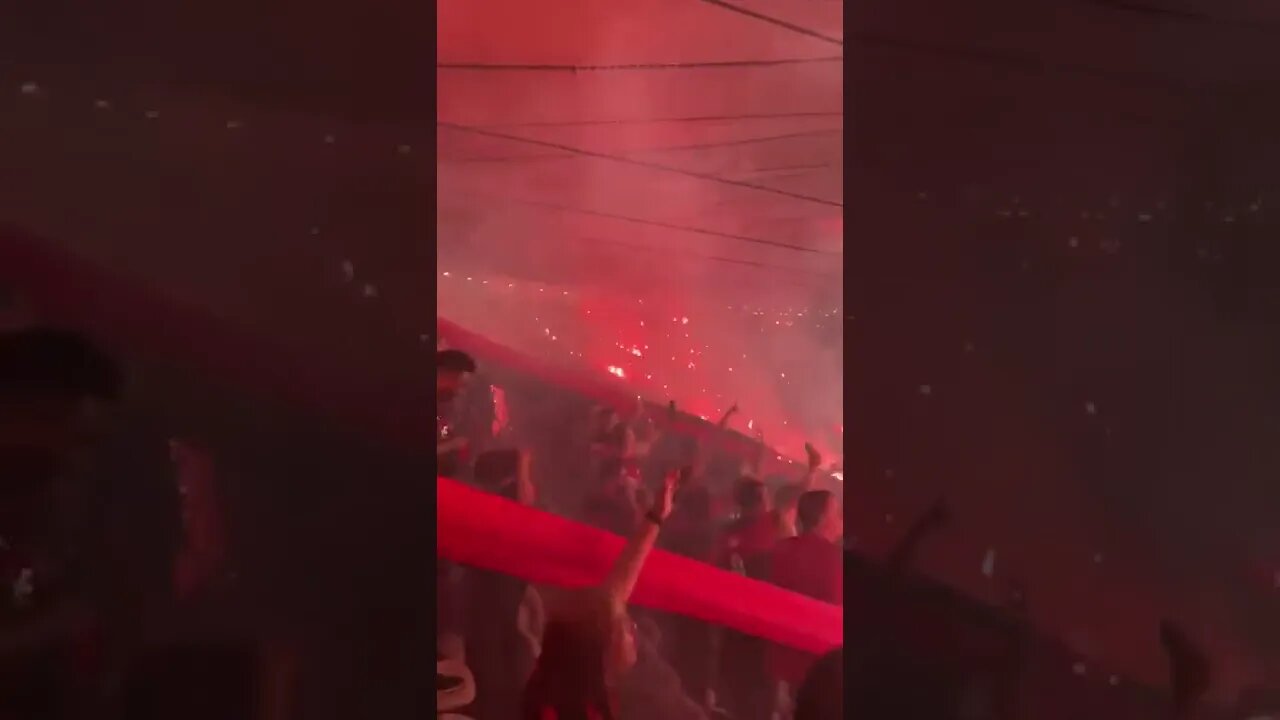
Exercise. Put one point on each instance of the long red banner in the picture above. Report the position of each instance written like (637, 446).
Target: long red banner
(601, 390)
(486, 531)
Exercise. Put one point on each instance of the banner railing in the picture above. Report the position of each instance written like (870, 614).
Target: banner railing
(486, 531)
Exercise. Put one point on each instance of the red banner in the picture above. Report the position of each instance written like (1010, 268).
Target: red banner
(601, 390)
(483, 530)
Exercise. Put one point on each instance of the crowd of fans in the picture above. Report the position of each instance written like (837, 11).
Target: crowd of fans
(512, 650)
(132, 603)
(90, 627)
(590, 656)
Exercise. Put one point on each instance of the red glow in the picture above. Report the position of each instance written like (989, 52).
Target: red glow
(717, 356)
(490, 532)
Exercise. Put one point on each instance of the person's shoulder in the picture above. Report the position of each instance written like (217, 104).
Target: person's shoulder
(790, 546)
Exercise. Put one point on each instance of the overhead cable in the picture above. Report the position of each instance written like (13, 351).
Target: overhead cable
(639, 163)
(774, 21)
(660, 120)
(744, 141)
(644, 221)
(716, 258)
(664, 148)
(707, 65)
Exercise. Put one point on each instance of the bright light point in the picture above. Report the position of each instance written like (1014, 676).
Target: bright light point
(468, 278)
(616, 371)
(839, 476)
(445, 273)
(782, 375)
(684, 321)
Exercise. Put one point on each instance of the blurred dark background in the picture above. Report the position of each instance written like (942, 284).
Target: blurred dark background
(1062, 219)
(187, 183)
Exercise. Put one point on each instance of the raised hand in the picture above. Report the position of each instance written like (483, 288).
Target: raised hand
(815, 457)
(664, 501)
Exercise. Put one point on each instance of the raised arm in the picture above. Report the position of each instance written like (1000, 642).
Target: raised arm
(811, 473)
(526, 492)
(621, 580)
(728, 415)
(903, 555)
